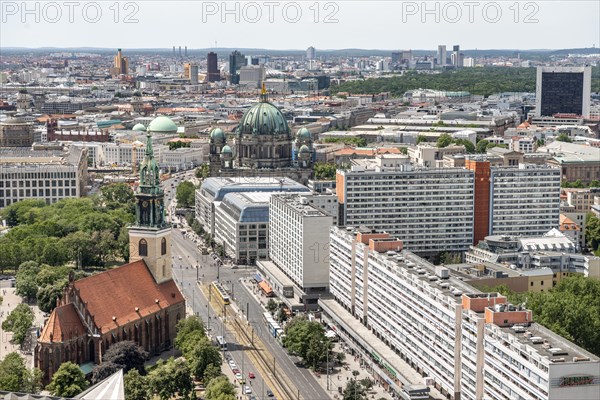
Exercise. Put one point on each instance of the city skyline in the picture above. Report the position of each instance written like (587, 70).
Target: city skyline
(325, 25)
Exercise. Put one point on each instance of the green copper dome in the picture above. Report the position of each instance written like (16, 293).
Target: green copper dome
(303, 133)
(217, 135)
(263, 119)
(226, 150)
(162, 124)
(139, 128)
(304, 149)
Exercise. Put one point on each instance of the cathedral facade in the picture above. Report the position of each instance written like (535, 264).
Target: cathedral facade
(262, 144)
(138, 301)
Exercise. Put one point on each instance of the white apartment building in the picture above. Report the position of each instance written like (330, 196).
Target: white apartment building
(121, 153)
(181, 159)
(523, 144)
(299, 241)
(431, 210)
(42, 175)
(472, 345)
(241, 226)
(524, 200)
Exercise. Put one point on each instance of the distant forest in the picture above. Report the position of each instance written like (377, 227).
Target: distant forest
(481, 81)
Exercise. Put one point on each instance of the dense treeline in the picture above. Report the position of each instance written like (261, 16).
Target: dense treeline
(480, 81)
(570, 309)
(86, 232)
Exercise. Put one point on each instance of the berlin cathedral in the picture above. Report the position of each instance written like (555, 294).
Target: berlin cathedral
(262, 144)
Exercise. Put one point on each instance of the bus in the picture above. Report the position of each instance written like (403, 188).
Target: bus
(217, 290)
(221, 342)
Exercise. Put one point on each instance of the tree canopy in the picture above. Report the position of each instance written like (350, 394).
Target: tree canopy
(19, 322)
(15, 377)
(137, 387)
(480, 81)
(307, 340)
(324, 171)
(85, 231)
(171, 378)
(185, 194)
(592, 233)
(220, 389)
(68, 381)
(127, 355)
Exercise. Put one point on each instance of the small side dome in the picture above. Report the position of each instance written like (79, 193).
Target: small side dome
(304, 149)
(303, 133)
(226, 150)
(139, 128)
(217, 135)
(162, 124)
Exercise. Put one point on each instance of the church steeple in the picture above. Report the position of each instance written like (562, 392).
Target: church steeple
(150, 236)
(150, 196)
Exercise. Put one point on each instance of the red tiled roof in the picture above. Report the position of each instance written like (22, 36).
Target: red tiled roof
(64, 324)
(117, 292)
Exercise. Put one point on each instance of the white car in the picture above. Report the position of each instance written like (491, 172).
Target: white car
(180, 257)
(247, 390)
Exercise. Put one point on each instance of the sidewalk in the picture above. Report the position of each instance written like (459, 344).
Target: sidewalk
(9, 303)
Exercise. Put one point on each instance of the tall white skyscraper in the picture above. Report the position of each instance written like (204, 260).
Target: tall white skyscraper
(311, 53)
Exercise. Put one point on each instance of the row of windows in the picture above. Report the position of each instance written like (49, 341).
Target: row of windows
(24, 193)
(40, 183)
(143, 247)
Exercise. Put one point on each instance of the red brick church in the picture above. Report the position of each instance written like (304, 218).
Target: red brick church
(138, 301)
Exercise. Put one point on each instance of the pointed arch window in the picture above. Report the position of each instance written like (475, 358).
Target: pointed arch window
(163, 247)
(143, 248)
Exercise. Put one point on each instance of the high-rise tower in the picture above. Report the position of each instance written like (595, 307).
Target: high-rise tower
(212, 69)
(150, 236)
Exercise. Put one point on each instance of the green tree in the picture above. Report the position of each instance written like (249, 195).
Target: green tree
(19, 322)
(137, 387)
(26, 285)
(592, 233)
(594, 183)
(448, 257)
(203, 171)
(481, 146)
(211, 372)
(15, 377)
(563, 137)
(170, 378)
(185, 327)
(11, 218)
(307, 340)
(220, 389)
(444, 140)
(103, 371)
(127, 355)
(49, 294)
(117, 195)
(271, 306)
(203, 355)
(324, 171)
(421, 138)
(354, 391)
(469, 146)
(68, 381)
(185, 194)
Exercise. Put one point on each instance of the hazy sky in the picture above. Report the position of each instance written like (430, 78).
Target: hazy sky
(301, 23)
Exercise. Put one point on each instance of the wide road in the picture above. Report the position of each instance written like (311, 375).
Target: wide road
(301, 377)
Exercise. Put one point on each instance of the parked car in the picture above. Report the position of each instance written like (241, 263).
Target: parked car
(251, 375)
(247, 390)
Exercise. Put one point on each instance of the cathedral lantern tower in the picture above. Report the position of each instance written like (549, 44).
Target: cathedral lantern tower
(150, 236)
